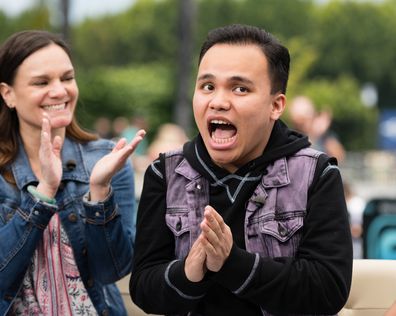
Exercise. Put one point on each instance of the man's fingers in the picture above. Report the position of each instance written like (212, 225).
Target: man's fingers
(215, 219)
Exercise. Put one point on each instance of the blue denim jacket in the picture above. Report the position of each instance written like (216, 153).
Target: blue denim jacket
(101, 234)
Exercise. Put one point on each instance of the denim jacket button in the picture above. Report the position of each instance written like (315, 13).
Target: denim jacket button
(90, 282)
(72, 217)
(9, 216)
(71, 165)
(61, 186)
(84, 251)
(105, 312)
(8, 297)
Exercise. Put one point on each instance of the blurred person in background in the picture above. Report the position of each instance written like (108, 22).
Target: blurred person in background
(120, 123)
(355, 205)
(137, 123)
(66, 197)
(246, 218)
(168, 137)
(316, 126)
(102, 127)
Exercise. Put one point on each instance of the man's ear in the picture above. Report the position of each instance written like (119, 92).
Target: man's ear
(278, 106)
(6, 94)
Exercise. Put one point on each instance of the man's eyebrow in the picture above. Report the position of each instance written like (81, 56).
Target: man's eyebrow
(231, 79)
(205, 77)
(241, 79)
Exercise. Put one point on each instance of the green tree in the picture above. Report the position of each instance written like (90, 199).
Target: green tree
(132, 90)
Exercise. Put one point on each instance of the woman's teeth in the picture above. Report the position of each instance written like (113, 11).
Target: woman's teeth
(55, 107)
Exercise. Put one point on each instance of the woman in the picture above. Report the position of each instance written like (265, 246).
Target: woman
(66, 198)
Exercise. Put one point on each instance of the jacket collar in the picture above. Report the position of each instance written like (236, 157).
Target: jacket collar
(72, 161)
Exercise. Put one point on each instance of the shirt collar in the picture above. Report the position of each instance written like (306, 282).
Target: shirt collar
(72, 162)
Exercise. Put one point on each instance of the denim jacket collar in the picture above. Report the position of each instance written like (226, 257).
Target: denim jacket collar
(73, 165)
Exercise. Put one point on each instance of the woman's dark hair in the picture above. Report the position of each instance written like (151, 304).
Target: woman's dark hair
(238, 34)
(13, 52)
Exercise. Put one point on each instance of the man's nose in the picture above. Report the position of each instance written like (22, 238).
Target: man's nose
(221, 101)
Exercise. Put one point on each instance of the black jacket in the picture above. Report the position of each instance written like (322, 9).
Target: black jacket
(327, 215)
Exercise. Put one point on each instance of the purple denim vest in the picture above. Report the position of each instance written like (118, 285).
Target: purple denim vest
(274, 214)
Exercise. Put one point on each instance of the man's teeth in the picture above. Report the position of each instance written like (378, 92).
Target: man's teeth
(54, 107)
(219, 122)
(222, 140)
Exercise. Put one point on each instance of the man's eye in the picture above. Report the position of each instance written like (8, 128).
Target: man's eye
(241, 89)
(207, 87)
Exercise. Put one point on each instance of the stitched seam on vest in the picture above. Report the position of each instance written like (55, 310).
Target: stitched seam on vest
(220, 182)
(328, 168)
(247, 281)
(188, 297)
(156, 171)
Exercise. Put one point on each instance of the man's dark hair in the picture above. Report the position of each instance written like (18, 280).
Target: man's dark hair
(277, 55)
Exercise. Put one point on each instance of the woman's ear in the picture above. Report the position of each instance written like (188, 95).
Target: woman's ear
(278, 106)
(6, 94)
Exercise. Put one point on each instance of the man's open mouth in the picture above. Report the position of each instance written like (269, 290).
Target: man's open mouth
(221, 131)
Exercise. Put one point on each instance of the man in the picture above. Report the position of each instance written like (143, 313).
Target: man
(246, 219)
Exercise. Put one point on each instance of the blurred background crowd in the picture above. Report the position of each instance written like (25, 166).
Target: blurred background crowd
(135, 69)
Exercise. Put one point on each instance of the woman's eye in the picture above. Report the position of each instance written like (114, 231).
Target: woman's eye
(40, 83)
(69, 78)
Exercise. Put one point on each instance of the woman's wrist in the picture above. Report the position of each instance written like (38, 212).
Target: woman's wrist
(40, 196)
(46, 190)
(98, 193)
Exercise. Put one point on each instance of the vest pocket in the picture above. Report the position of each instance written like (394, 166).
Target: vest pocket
(279, 237)
(179, 224)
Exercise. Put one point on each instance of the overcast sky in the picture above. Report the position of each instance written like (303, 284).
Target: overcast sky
(79, 9)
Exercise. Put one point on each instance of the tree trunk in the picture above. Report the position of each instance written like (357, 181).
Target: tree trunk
(182, 110)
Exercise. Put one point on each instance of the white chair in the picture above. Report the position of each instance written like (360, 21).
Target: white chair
(373, 288)
(372, 293)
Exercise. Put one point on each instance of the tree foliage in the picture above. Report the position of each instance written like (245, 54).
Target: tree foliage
(127, 62)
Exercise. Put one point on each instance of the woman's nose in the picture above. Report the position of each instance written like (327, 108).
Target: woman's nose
(57, 89)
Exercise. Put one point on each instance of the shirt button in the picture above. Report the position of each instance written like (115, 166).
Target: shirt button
(72, 217)
(199, 187)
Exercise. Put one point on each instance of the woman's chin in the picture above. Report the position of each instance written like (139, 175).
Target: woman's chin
(60, 122)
